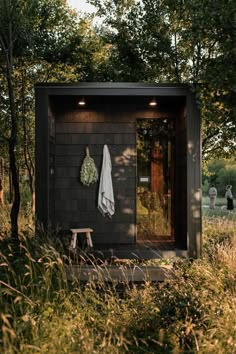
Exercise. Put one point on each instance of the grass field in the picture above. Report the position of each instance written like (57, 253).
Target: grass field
(194, 312)
(220, 209)
(219, 201)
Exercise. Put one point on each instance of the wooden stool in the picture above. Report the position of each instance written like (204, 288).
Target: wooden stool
(75, 232)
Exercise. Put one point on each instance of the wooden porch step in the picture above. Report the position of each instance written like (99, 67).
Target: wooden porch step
(110, 273)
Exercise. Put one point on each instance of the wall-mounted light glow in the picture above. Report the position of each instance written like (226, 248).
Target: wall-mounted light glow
(153, 102)
(81, 101)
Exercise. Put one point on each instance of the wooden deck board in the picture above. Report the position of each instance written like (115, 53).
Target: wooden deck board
(119, 273)
(142, 252)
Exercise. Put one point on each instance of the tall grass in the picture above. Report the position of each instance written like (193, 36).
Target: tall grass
(220, 201)
(193, 312)
(26, 221)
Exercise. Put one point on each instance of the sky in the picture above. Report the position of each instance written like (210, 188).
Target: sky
(81, 5)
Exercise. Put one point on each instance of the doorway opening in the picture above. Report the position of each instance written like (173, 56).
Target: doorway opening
(155, 180)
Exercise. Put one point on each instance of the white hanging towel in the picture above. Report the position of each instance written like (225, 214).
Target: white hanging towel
(106, 204)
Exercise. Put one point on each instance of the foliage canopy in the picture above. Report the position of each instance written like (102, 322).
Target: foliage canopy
(179, 41)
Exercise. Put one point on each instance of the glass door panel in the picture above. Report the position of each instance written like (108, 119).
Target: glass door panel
(155, 179)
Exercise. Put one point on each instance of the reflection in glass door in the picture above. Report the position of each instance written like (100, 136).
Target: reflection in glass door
(155, 176)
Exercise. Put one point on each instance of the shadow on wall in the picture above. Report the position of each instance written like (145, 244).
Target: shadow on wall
(195, 239)
(124, 185)
(125, 180)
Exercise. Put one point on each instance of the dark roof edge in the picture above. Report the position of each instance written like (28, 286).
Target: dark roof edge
(110, 85)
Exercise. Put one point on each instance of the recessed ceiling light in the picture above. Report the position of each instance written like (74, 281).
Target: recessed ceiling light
(153, 102)
(81, 102)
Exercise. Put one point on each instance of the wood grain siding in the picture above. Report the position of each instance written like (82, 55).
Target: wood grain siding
(95, 149)
(115, 125)
(101, 139)
(95, 128)
(75, 204)
(52, 181)
(119, 116)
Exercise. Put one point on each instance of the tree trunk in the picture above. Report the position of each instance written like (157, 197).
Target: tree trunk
(176, 66)
(16, 190)
(2, 181)
(12, 145)
(8, 36)
(10, 198)
(27, 155)
(32, 190)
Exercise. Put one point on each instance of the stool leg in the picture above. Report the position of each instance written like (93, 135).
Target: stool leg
(89, 240)
(74, 239)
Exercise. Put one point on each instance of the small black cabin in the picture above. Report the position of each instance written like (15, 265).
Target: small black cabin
(153, 135)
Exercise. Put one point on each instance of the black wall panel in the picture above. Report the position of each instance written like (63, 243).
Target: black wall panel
(75, 204)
